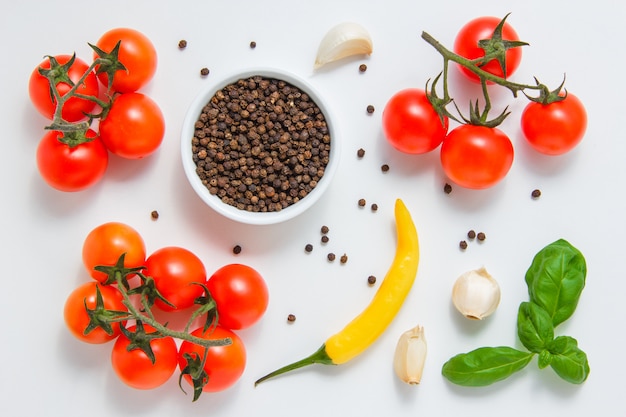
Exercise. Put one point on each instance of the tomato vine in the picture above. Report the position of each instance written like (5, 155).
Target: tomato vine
(495, 48)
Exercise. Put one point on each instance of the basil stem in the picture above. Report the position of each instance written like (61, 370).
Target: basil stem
(556, 278)
(534, 327)
(485, 365)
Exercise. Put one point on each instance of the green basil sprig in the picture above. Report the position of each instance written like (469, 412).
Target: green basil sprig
(555, 280)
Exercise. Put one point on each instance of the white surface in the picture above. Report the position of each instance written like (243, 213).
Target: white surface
(45, 372)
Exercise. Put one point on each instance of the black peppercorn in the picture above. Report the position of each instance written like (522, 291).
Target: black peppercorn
(471, 234)
(343, 259)
(324, 229)
(204, 72)
(536, 194)
(384, 168)
(481, 236)
(237, 249)
(182, 44)
(374, 207)
(361, 202)
(371, 280)
(360, 153)
(447, 188)
(362, 68)
(370, 109)
(463, 245)
(154, 214)
(331, 257)
(325, 239)
(291, 318)
(308, 247)
(252, 45)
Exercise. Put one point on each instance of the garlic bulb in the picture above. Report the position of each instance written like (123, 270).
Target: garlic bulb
(476, 294)
(345, 39)
(410, 355)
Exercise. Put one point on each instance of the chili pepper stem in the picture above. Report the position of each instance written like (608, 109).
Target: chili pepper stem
(320, 356)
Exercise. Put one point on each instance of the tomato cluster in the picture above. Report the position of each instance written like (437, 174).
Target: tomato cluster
(74, 154)
(128, 288)
(476, 154)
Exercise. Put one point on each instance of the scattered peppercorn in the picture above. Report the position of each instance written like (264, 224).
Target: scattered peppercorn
(343, 259)
(324, 229)
(471, 234)
(361, 202)
(447, 188)
(204, 72)
(154, 214)
(374, 207)
(536, 194)
(481, 236)
(362, 68)
(384, 168)
(331, 257)
(360, 153)
(325, 239)
(370, 109)
(371, 280)
(261, 144)
(237, 249)
(252, 45)
(291, 318)
(182, 44)
(463, 245)
(308, 247)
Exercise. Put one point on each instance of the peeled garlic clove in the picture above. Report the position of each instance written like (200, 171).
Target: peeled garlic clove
(410, 355)
(476, 294)
(345, 39)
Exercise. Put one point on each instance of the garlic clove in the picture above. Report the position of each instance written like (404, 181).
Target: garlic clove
(410, 356)
(343, 40)
(476, 294)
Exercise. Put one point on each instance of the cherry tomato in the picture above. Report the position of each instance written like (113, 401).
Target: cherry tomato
(134, 126)
(107, 242)
(71, 168)
(476, 156)
(136, 53)
(554, 128)
(176, 272)
(75, 108)
(77, 319)
(466, 45)
(135, 368)
(224, 364)
(241, 295)
(411, 124)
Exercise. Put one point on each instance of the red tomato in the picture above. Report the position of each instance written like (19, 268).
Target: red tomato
(411, 124)
(77, 319)
(134, 126)
(554, 128)
(71, 168)
(476, 156)
(176, 271)
(224, 364)
(75, 108)
(136, 369)
(466, 45)
(107, 242)
(241, 295)
(136, 53)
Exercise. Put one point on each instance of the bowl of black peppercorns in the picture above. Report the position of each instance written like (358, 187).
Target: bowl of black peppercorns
(258, 146)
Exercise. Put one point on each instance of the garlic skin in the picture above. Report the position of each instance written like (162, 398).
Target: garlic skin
(343, 40)
(476, 294)
(410, 356)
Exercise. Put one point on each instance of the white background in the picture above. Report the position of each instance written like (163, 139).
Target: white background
(44, 371)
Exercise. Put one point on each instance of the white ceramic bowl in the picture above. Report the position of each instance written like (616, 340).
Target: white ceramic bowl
(231, 212)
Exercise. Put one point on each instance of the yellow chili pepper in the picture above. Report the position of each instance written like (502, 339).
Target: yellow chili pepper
(365, 328)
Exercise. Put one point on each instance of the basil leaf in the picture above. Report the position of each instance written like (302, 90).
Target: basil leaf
(534, 327)
(568, 360)
(545, 358)
(556, 279)
(485, 365)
